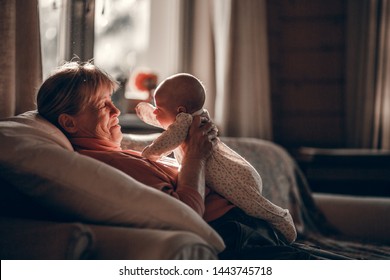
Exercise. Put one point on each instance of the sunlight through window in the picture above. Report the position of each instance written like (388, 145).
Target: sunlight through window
(49, 13)
(121, 34)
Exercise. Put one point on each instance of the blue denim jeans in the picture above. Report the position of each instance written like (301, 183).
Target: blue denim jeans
(247, 237)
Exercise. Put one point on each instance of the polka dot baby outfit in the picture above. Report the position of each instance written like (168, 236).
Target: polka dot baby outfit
(227, 172)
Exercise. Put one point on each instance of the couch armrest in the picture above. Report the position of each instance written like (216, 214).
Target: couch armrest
(31, 239)
(137, 141)
(355, 216)
(148, 244)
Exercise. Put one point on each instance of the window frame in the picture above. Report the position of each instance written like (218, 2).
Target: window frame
(77, 30)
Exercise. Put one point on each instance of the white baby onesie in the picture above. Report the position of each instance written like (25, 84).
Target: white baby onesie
(227, 172)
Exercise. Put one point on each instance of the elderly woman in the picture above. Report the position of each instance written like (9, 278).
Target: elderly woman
(77, 99)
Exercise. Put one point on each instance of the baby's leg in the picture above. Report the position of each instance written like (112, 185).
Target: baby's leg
(241, 185)
(278, 217)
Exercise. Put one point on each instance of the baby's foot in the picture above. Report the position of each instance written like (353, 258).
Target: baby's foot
(285, 225)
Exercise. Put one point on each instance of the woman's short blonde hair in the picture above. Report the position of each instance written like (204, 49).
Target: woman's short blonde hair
(70, 88)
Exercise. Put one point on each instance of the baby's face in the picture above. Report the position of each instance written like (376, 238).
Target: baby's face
(165, 110)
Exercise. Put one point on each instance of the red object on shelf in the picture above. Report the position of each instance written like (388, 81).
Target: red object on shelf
(145, 81)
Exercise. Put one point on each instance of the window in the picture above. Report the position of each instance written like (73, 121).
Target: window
(126, 34)
(121, 38)
(49, 13)
(121, 34)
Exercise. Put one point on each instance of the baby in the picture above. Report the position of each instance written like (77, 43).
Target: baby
(178, 99)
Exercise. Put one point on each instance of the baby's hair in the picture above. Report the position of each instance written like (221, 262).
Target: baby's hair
(190, 91)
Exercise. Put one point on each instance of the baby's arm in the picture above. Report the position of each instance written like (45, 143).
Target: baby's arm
(170, 139)
(145, 113)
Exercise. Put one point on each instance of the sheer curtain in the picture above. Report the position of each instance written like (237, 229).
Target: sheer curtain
(20, 60)
(368, 71)
(227, 49)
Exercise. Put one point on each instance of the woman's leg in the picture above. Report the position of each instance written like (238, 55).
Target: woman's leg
(246, 237)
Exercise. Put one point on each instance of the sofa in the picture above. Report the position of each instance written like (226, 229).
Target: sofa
(58, 204)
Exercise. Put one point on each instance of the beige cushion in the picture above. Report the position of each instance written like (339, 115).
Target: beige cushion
(38, 160)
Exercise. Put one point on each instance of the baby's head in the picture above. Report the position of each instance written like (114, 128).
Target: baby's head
(176, 94)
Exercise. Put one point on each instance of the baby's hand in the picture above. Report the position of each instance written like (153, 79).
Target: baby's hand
(145, 111)
(144, 107)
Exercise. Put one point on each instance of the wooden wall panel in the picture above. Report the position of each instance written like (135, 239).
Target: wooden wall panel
(307, 71)
(311, 8)
(322, 34)
(312, 66)
(314, 99)
(305, 129)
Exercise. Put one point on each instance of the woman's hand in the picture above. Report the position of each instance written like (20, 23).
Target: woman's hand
(198, 147)
(201, 139)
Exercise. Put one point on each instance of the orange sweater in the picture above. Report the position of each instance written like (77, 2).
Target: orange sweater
(161, 175)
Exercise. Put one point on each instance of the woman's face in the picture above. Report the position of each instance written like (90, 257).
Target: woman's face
(99, 120)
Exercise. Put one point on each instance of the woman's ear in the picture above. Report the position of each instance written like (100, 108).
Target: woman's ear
(68, 123)
(181, 109)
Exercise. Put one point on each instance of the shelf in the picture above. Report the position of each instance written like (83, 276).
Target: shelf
(346, 171)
